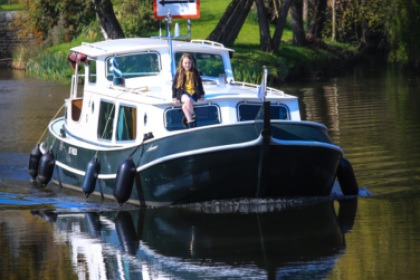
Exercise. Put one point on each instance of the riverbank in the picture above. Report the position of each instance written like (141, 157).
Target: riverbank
(313, 61)
(290, 63)
(8, 38)
(293, 63)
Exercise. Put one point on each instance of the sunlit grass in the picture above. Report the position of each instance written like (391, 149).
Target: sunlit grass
(248, 60)
(10, 5)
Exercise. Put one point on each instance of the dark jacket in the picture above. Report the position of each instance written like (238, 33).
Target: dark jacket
(177, 92)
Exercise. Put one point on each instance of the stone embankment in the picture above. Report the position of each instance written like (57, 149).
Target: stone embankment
(8, 38)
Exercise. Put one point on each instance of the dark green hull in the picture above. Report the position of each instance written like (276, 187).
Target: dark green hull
(211, 163)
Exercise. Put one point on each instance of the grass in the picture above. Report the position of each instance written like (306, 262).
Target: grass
(288, 62)
(212, 11)
(248, 60)
(10, 5)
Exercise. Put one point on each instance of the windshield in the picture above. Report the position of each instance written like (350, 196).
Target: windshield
(134, 65)
(209, 65)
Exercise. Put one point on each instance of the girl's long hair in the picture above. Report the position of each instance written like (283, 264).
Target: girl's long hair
(181, 71)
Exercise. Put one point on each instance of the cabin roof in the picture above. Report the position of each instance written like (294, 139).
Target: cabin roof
(119, 46)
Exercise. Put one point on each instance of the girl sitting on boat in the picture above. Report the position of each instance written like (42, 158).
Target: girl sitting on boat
(187, 88)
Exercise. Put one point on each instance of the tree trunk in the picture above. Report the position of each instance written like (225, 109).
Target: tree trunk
(413, 41)
(318, 20)
(306, 8)
(281, 23)
(297, 22)
(108, 20)
(230, 24)
(265, 38)
(333, 20)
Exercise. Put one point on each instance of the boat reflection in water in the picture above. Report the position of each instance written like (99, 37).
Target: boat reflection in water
(187, 243)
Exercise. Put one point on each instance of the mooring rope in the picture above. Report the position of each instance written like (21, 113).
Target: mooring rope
(45, 130)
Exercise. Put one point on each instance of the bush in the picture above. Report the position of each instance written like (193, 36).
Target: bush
(136, 17)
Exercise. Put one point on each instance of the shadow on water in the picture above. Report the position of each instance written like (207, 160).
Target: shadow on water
(183, 243)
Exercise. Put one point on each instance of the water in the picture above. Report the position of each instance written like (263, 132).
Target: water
(372, 114)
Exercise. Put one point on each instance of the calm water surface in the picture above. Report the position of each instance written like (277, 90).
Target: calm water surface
(372, 113)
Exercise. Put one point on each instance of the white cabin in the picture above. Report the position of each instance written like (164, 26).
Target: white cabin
(118, 108)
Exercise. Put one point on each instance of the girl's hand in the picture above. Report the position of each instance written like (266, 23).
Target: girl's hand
(175, 101)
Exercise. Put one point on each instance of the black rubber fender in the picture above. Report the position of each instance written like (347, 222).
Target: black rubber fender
(46, 168)
(346, 178)
(124, 181)
(34, 159)
(92, 171)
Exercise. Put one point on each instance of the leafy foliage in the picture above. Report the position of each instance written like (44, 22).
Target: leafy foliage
(136, 17)
(56, 20)
(356, 16)
(405, 32)
(248, 66)
(392, 25)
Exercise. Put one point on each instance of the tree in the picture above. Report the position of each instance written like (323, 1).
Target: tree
(265, 38)
(237, 11)
(317, 23)
(136, 17)
(108, 20)
(297, 22)
(281, 23)
(53, 21)
(405, 33)
(231, 22)
(36, 19)
(268, 44)
(76, 15)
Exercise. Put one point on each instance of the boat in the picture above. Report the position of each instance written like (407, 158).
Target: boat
(121, 137)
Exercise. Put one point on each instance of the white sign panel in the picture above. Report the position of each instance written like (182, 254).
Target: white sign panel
(177, 8)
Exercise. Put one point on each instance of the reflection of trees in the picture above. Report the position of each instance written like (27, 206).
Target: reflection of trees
(28, 249)
(321, 105)
(31, 106)
(372, 114)
(383, 244)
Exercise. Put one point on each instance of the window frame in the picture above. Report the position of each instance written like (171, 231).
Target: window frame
(134, 123)
(178, 54)
(176, 124)
(103, 128)
(110, 75)
(256, 104)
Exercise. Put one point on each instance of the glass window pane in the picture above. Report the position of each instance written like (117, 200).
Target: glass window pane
(209, 65)
(92, 71)
(126, 125)
(136, 65)
(205, 115)
(247, 112)
(106, 120)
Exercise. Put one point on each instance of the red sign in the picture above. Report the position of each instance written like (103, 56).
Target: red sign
(177, 8)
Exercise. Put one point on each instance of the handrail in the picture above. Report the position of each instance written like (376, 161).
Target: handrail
(269, 89)
(208, 42)
(73, 86)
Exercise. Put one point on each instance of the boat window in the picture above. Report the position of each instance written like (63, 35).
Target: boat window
(134, 65)
(210, 65)
(205, 115)
(106, 120)
(92, 71)
(127, 123)
(247, 111)
(76, 109)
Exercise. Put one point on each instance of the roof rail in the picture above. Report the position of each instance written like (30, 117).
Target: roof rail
(208, 42)
(91, 45)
